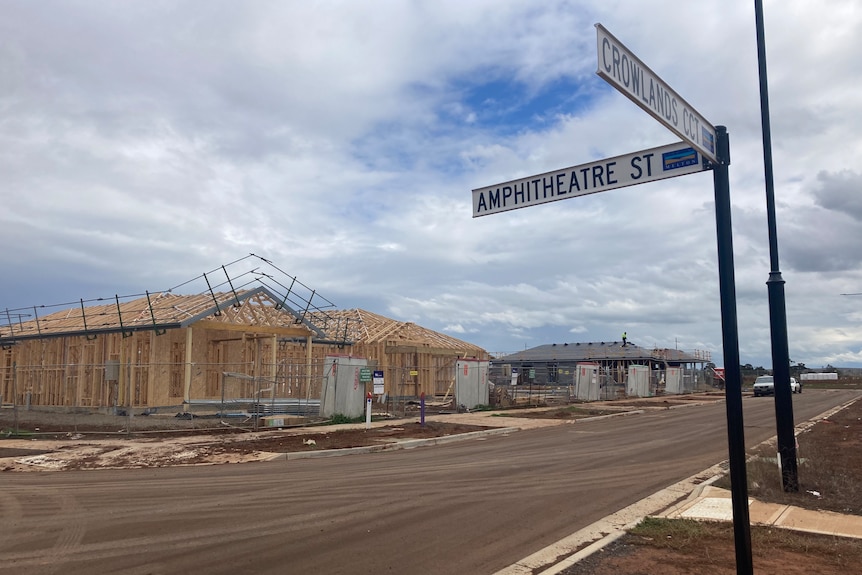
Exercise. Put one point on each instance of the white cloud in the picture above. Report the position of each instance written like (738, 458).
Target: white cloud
(144, 143)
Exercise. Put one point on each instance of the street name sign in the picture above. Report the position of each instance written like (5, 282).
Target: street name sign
(625, 72)
(636, 168)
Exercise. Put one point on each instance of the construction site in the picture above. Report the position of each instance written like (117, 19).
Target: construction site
(593, 371)
(251, 342)
(244, 337)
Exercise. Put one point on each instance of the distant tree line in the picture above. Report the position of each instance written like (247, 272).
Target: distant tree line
(795, 369)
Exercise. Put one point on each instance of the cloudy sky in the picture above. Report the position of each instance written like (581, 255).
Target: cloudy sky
(143, 143)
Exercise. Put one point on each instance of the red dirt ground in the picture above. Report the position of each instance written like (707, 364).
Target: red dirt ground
(775, 551)
(836, 441)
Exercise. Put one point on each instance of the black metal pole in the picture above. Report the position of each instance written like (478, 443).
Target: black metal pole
(775, 288)
(730, 343)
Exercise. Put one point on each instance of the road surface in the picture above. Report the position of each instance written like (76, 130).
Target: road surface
(472, 507)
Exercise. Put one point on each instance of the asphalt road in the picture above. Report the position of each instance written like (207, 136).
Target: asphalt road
(472, 507)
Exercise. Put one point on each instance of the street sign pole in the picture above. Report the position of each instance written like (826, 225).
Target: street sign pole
(730, 343)
(630, 76)
(625, 71)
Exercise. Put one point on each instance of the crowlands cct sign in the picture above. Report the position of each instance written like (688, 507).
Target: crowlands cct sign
(625, 71)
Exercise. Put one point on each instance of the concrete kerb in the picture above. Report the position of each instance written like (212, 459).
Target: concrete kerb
(412, 443)
(608, 416)
(393, 446)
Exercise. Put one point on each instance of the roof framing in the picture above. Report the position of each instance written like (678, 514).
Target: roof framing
(250, 291)
(258, 309)
(250, 294)
(399, 336)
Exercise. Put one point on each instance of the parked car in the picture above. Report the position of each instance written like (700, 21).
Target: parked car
(795, 386)
(765, 385)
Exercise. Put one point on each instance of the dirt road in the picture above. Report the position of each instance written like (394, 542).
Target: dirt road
(470, 507)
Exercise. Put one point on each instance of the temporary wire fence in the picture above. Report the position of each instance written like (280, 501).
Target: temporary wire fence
(136, 397)
(558, 384)
(163, 396)
(156, 396)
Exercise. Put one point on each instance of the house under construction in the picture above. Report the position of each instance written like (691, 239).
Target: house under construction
(247, 334)
(603, 370)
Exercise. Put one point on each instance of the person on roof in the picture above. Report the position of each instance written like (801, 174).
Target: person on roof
(624, 339)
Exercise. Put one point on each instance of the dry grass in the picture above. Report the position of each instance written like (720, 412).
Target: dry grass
(690, 536)
(830, 454)
(830, 457)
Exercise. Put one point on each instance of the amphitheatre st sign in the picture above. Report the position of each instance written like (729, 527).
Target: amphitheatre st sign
(627, 170)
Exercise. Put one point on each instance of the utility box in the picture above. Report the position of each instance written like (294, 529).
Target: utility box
(638, 383)
(587, 381)
(471, 382)
(343, 392)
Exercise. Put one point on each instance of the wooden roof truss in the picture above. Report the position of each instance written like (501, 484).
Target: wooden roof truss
(370, 328)
(253, 299)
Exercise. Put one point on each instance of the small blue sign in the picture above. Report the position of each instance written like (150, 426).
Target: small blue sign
(679, 159)
(708, 140)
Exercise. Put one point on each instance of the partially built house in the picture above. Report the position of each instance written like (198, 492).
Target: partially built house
(603, 370)
(256, 335)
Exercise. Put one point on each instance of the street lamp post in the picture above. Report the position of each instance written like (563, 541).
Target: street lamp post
(775, 288)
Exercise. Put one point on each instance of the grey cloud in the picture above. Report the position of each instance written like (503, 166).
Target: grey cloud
(840, 192)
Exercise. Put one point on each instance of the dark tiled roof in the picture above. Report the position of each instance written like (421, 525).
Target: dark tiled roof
(597, 351)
